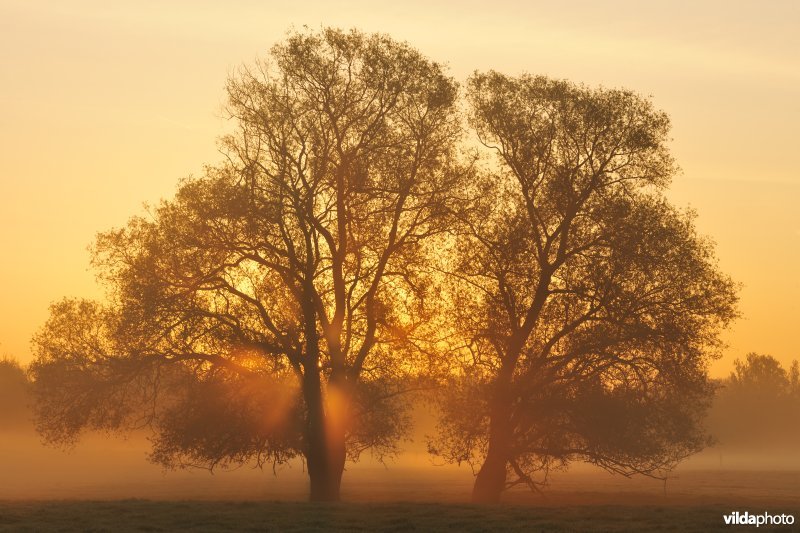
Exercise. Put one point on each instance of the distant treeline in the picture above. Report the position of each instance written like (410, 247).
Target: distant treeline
(758, 405)
(14, 395)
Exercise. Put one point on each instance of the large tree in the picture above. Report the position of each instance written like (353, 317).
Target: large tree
(264, 312)
(589, 305)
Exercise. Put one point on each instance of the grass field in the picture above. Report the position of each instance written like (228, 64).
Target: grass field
(106, 485)
(144, 515)
(695, 501)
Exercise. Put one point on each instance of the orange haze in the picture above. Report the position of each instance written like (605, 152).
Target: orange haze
(105, 105)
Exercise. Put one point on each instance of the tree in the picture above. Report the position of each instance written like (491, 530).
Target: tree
(589, 305)
(14, 389)
(756, 404)
(760, 373)
(264, 312)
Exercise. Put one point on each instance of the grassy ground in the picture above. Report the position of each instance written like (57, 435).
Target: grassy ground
(144, 515)
(106, 485)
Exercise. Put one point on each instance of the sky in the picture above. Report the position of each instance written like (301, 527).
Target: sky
(105, 105)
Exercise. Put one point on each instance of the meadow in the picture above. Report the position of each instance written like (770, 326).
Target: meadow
(144, 515)
(405, 499)
(105, 484)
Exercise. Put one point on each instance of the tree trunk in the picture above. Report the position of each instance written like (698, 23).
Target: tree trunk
(325, 478)
(324, 448)
(325, 451)
(491, 479)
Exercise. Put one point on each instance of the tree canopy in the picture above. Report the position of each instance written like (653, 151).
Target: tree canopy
(589, 304)
(14, 395)
(284, 279)
(281, 303)
(757, 405)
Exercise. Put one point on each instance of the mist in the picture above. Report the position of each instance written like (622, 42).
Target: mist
(754, 465)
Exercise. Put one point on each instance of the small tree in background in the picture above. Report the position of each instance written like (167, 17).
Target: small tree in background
(758, 405)
(14, 395)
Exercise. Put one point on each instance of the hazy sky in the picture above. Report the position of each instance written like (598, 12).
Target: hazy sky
(105, 105)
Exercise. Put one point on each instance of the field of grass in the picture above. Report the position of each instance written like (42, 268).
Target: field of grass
(144, 515)
(106, 485)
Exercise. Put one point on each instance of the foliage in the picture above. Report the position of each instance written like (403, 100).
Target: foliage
(757, 405)
(283, 283)
(14, 394)
(589, 304)
(281, 303)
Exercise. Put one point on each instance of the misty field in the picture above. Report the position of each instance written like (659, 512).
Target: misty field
(105, 484)
(394, 500)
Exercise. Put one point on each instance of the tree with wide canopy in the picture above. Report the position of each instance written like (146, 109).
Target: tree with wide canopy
(265, 311)
(589, 305)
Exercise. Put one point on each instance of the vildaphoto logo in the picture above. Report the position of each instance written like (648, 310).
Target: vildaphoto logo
(747, 519)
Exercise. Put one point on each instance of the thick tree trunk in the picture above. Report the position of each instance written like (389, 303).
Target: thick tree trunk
(324, 442)
(325, 451)
(325, 478)
(491, 479)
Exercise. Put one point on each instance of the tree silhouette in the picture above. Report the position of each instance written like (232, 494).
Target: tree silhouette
(589, 305)
(265, 311)
(14, 395)
(279, 304)
(756, 406)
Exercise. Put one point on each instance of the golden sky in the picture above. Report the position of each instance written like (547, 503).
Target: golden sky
(104, 105)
